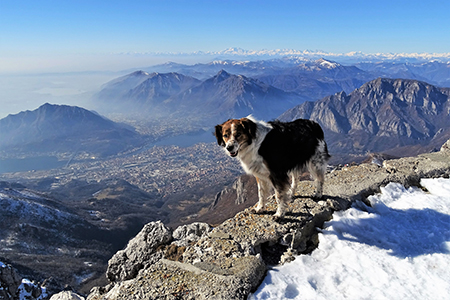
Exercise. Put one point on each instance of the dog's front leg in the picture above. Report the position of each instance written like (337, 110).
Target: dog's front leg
(280, 196)
(263, 194)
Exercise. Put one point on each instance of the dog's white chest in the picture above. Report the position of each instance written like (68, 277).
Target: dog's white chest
(254, 164)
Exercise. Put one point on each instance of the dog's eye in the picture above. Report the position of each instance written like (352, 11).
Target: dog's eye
(225, 135)
(238, 135)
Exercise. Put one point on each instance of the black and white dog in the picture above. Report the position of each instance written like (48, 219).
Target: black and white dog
(272, 151)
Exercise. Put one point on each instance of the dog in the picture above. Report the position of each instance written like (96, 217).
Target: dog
(273, 151)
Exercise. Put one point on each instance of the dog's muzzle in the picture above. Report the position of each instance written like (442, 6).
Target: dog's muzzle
(231, 150)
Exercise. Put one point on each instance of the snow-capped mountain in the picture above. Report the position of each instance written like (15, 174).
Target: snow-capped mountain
(353, 56)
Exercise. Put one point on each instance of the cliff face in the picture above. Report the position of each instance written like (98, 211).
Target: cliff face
(383, 115)
(230, 260)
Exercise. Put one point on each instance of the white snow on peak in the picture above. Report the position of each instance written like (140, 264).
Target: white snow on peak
(327, 64)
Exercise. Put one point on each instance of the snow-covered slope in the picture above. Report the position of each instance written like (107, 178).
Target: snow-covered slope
(397, 249)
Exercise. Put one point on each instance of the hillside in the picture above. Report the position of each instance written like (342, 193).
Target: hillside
(396, 116)
(63, 129)
(38, 231)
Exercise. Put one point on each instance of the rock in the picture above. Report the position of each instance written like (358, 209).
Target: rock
(241, 192)
(141, 251)
(31, 291)
(229, 261)
(186, 234)
(13, 286)
(10, 281)
(67, 295)
(446, 147)
(174, 280)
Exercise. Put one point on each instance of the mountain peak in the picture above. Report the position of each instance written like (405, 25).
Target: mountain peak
(223, 74)
(139, 73)
(63, 128)
(385, 114)
(327, 63)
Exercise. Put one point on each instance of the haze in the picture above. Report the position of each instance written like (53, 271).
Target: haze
(42, 43)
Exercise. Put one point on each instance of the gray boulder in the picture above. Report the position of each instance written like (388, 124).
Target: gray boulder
(141, 251)
(67, 295)
(186, 234)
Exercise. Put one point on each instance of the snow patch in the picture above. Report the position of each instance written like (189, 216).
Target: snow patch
(397, 249)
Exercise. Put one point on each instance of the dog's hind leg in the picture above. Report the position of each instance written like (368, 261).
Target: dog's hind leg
(317, 166)
(263, 194)
(294, 182)
(317, 171)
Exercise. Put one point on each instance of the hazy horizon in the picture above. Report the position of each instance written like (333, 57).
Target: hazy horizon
(42, 42)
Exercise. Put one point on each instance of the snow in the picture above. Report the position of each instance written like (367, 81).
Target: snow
(25, 291)
(397, 249)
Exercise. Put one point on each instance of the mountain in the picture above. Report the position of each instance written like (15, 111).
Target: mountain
(383, 115)
(78, 225)
(310, 79)
(142, 91)
(351, 57)
(176, 97)
(434, 72)
(229, 96)
(316, 79)
(61, 128)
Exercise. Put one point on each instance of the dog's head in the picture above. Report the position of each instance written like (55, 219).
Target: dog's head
(235, 135)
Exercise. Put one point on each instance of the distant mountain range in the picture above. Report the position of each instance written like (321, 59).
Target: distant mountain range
(317, 78)
(354, 56)
(61, 128)
(397, 116)
(360, 111)
(181, 98)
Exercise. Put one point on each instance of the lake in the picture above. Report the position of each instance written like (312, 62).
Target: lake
(31, 163)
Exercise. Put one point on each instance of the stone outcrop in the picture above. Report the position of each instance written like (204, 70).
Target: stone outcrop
(230, 260)
(13, 286)
(140, 252)
(67, 295)
(10, 281)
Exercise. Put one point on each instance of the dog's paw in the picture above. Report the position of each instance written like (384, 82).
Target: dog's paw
(278, 215)
(317, 197)
(258, 209)
(277, 218)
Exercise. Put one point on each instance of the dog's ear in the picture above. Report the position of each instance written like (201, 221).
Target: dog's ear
(218, 134)
(250, 127)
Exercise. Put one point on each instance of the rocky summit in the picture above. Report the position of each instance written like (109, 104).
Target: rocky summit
(230, 260)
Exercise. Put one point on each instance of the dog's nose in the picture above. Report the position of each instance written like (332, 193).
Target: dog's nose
(230, 148)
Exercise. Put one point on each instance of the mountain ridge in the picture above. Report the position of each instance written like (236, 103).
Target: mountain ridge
(352, 55)
(64, 128)
(381, 115)
(222, 95)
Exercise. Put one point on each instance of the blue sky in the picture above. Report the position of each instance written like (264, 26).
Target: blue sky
(77, 35)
